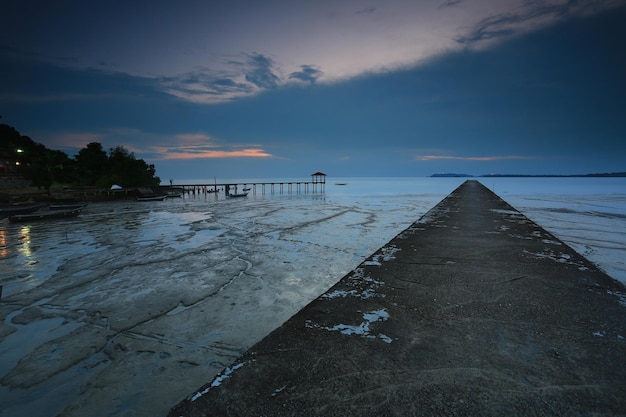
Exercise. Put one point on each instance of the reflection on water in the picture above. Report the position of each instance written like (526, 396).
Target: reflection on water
(24, 236)
(19, 240)
(16, 257)
(4, 249)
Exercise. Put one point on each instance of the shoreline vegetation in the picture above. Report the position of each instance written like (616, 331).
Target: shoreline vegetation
(25, 163)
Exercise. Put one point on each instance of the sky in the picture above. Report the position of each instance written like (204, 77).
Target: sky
(285, 88)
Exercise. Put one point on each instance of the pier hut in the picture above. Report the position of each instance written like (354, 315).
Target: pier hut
(318, 178)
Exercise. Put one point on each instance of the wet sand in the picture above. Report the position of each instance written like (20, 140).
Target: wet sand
(125, 309)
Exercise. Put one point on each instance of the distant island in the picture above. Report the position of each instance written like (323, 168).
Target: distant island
(452, 175)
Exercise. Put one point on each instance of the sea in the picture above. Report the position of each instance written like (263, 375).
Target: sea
(133, 306)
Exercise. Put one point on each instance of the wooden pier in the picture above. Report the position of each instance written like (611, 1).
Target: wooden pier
(316, 185)
(197, 190)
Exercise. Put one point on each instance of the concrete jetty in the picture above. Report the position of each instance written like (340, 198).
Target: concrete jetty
(474, 310)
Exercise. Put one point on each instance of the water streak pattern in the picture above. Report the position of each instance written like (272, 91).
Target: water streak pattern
(130, 307)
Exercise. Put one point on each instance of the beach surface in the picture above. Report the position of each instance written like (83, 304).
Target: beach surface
(472, 310)
(127, 308)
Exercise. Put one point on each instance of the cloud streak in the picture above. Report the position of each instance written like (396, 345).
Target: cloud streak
(198, 153)
(532, 14)
(260, 73)
(201, 146)
(244, 75)
(308, 74)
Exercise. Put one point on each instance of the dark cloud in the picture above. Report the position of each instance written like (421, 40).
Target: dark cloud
(260, 73)
(210, 85)
(309, 74)
(369, 10)
(449, 3)
(506, 24)
(204, 82)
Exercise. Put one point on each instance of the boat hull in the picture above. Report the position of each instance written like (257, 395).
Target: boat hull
(15, 210)
(67, 206)
(152, 198)
(45, 215)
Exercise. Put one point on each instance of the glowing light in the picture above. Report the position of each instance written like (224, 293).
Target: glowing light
(4, 251)
(25, 248)
(200, 154)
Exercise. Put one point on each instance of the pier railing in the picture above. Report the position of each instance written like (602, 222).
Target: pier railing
(252, 188)
(182, 190)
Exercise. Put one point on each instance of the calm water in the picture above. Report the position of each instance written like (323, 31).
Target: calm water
(132, 306)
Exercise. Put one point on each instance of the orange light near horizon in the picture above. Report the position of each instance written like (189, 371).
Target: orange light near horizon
(243, 153)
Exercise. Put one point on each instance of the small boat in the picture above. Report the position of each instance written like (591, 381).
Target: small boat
(247, 189)
(68, 206)
(237, 195)
(152, 198)
(19, 209)
(45, 215)
(174, 192)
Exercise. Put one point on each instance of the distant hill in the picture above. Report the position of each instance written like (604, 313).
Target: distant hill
(451, 175)
(607, 174)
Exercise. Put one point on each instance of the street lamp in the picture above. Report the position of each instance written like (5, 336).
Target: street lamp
(17, 162)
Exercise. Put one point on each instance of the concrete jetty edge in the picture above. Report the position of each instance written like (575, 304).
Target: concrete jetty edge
(472, 310)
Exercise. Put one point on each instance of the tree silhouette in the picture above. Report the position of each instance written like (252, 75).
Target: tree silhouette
(91, 167)
(125, 170)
